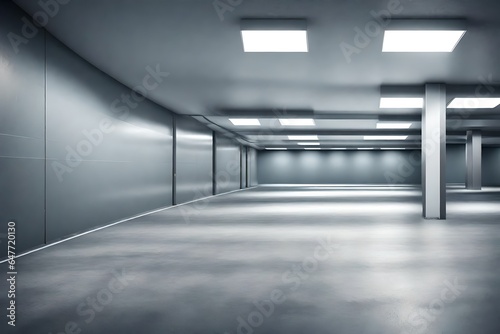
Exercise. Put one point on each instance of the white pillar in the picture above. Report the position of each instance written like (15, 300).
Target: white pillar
(473, 154)
(434, 152)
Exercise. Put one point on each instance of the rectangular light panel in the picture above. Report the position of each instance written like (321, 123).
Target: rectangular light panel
(365, 148)
(385, 137)
(421, 40)
(474, 103)
(308, 144)
(297, 121)
(274, 40)
(275, 148)
(393, 125)
(401, 102)
(303, 137)
(245, 121)
(312, 148)
(392, 148)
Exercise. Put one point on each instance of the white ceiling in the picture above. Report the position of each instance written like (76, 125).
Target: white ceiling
(210, 75)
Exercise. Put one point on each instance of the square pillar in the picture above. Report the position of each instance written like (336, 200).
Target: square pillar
(434, 152)
(473, 154)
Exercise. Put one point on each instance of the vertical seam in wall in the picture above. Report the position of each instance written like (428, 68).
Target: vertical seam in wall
(45, 145)
(214, 162)
(174, 159)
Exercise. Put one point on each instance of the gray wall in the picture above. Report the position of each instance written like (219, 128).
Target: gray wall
(193, 159)
(252, 167)
(352, 167)
(491, 166)
(74, 155)
(227, 165)
(105, 160)
(244, 167)
(22, 135)
(455, 164)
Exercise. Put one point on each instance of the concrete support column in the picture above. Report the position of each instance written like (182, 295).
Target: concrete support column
(473, 153)
(434, 152)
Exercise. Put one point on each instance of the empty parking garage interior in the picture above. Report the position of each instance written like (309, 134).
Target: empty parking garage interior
(305, 166)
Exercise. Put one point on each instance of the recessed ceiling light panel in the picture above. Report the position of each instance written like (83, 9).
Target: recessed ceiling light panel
(297, 121)
(421, 40)
(274, 40)
(393, 125)
(308, 144)
(401, 102)
(245, 121)
(474, 103)
(385, 137)
(303, 137)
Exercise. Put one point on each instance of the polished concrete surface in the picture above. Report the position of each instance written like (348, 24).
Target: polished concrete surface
(276, 260)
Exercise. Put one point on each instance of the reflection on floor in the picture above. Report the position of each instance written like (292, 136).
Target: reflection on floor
(276, 260)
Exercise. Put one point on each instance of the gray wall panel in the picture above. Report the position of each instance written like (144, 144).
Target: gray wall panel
(244, 167)
(227, 165)
(338, 167)
(22, 123)
(194, 144)
(252, 167)
(491, 166)
(103, 165)
(352, 167)
(455, 164)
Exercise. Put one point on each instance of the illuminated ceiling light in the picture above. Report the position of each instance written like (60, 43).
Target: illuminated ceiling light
(421, 40)
(274, 40)
(385, 137)
(297, 121)
(312, 148)
(338, 148)
(393, 125)
(392, 148)
(401, 102)
(365, 148)
(474, 103)
(275, 148)
(308, 144)
(245, 121)
(303, 137)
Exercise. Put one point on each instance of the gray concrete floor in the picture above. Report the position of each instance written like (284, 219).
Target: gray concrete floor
(276, 260)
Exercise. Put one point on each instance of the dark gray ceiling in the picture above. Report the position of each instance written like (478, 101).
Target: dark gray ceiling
(210, 75)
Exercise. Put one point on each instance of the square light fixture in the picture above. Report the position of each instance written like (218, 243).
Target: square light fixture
(402, 102)
(274, 40)
(474, 103)
(385, 137)
(393, 125)
(245, 121)
(308, 144)
(303, 137)
(274, 35)
(297, 121)
(421, 40)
